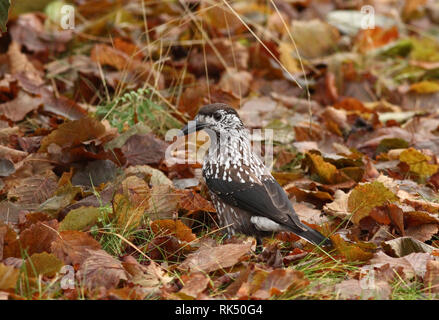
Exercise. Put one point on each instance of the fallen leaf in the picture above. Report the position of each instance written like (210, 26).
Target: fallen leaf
(39, 237)
(44, 263)
(154, 176)
(207, 259)
(18, 108)
(236, 82)
(339, 207)
(403, 246)
(422, 232)
(365, 197)
(80, 219)
(6, 167)
(29, 31)
(128, 214)
(100, 270)
(173, 227)
(265, 284)
(31, 192)
(74, 247)
(163, 203)
(352, 251)
(194, 202)
(193, 285)
(62, 198)
(218, 56)
(431, 279)
(374, 38)
(413, 264)
(418, 162)
(309, 214)
(151, 277)
(305, 32)
(326, 171)
(95, 173)
(144, 149)
(359, 289)
(425, 87)
(166, 248)
(8, 277)
(74, 132)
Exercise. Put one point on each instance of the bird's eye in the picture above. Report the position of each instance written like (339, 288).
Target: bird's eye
(217, 116)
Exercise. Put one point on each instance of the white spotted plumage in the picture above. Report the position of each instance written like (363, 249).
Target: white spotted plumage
(246, 196)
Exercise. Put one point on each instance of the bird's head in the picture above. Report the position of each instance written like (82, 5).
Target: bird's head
(218, 117)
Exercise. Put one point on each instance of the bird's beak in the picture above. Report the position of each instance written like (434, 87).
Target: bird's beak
(192, 126)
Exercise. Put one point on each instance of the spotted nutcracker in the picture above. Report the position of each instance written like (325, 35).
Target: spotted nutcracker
(246, 196)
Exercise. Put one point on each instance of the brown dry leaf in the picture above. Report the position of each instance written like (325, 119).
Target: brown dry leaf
(8, 277)
(264, 284)
(29, 31)
(339, 207)
(207, 258)
(225, 54)
(74, 247)
(151, 277)
(31, 192)
(129, 48)
(422, 232)
(352, 251)
(39, 237)
(144, 149)
(62, 197)
(361, 289)
(16, 109)
(167, 248)
(403, 246)
(220, 17)
(128, 215)
(412, 265)
(9, 246)
(305, 34)
(286, 57)
(106, 55)
(137, 190)
(163, 203)
(10, 213)
(19, 63)
(431, 279)
(193, 286)
(236, 82)
(154, 176)
(194, 202)
(173, 227)
(309, 214)
(100, 270)
(44, 263)
(373, 38)
(327, 172)
(72, 133)
(387, 214)
(365, 197)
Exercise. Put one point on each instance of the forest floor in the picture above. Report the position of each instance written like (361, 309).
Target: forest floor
(100, 201)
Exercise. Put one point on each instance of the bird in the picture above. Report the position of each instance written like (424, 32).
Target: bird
(247, 198)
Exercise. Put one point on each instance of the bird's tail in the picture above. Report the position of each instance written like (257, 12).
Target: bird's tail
(313, 236)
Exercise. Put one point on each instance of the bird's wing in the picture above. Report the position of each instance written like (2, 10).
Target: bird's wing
(264, 198)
